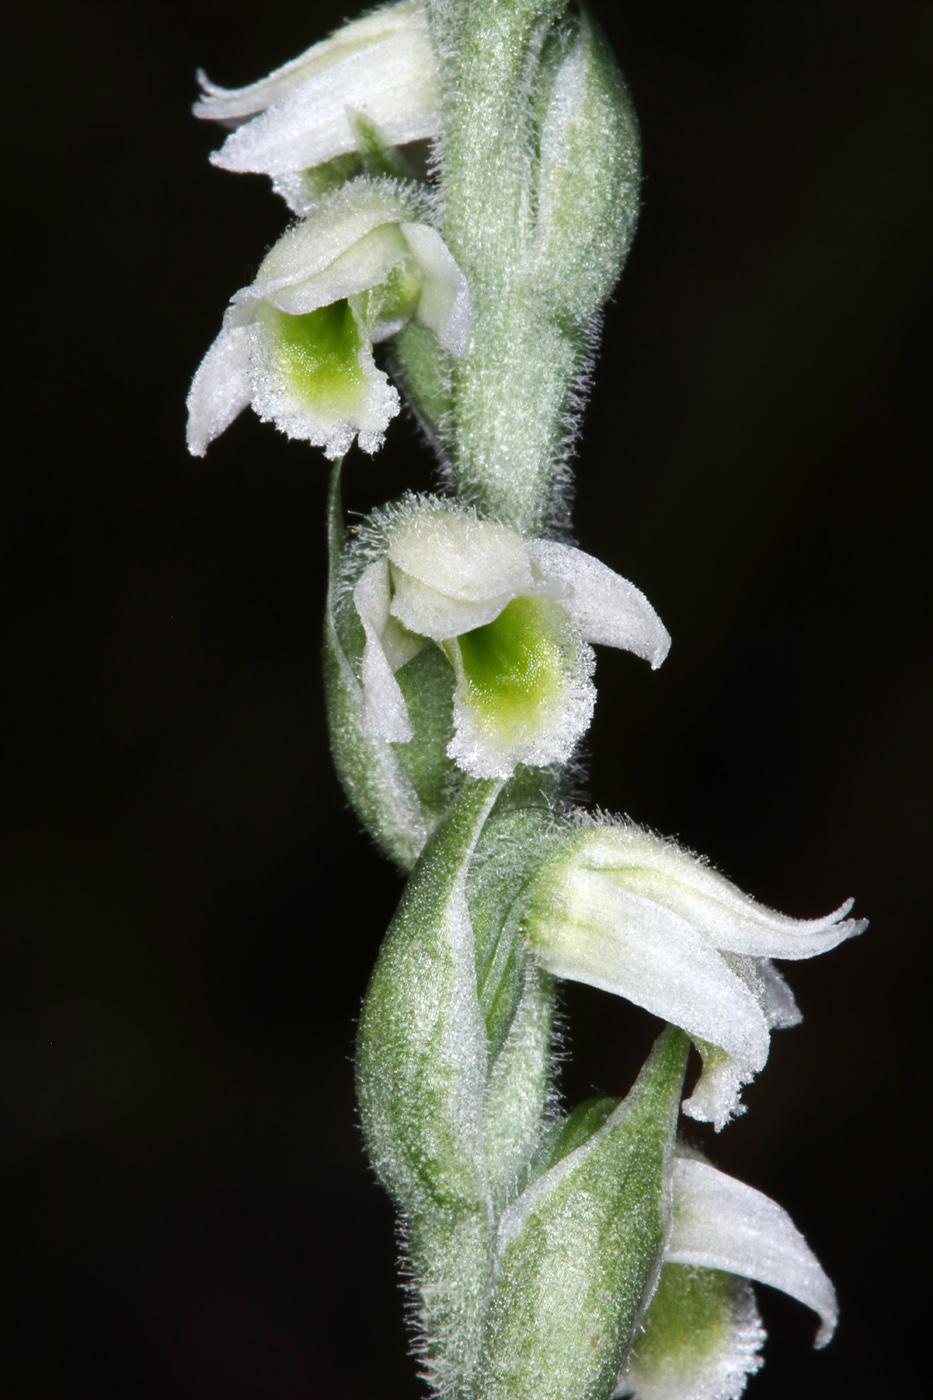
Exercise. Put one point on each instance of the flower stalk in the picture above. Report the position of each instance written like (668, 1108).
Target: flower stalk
(553, 1254)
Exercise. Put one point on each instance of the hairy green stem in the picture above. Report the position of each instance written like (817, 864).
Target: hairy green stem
(504, 450)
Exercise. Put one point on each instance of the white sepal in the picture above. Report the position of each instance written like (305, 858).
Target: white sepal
(595, 931)
(220, 389)
(381, 66)
(445, 306)
(606, 609)
(384, 712)
(720, 1223)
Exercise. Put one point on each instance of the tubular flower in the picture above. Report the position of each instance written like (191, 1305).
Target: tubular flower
(297, 343)
(299, 124)
(622, 909)
(514, 617)
(702, 1333)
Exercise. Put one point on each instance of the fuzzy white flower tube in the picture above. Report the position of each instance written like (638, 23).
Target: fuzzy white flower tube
(620, 908)
(297, 343)
(515, 619)
(380, 67)
(702, 1334)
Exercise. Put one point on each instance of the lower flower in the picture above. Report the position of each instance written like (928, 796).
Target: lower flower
(701, 1335)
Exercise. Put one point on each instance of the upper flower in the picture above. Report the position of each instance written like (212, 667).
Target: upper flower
(514, 618)
(702, 1333)
(620, 908)
(297, 343)
(303, 115)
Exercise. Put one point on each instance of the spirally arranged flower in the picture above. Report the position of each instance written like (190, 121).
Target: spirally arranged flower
(300, 124)
(297, 343)
(701, 1335)
(620, 908)
(514, 617)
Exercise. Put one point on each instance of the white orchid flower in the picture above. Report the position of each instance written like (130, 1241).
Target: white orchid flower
(622, 909)
(297, 343)
(515, 618)
(303, 115)
(702, 1333)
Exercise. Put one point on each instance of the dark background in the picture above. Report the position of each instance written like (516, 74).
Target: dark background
(190, 913)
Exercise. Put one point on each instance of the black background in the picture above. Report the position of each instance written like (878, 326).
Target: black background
(190, 914)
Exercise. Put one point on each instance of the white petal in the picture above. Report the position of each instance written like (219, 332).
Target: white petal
(469, 560)
(733, 921)
(607, 609)
(385, 714)
(593, 931)
(777, 999)
(445, 305)
(224, 104)
(454, 573)
(335, 229)
(720, 1223)
(435, 615)
(392, 82)
(220, 388)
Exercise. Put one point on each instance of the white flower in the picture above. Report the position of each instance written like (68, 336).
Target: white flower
(297, 343)
(380, 68)
(622, 909)
(702, 1333)
(514, 618)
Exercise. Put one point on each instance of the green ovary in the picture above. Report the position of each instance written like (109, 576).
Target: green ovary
(514, 668)
(688, 1323)
(318, 355)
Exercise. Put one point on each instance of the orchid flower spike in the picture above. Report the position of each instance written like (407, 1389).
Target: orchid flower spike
(302, 119)
(702, 1334)
(620, 908)
(514, 617)
(297, 343)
